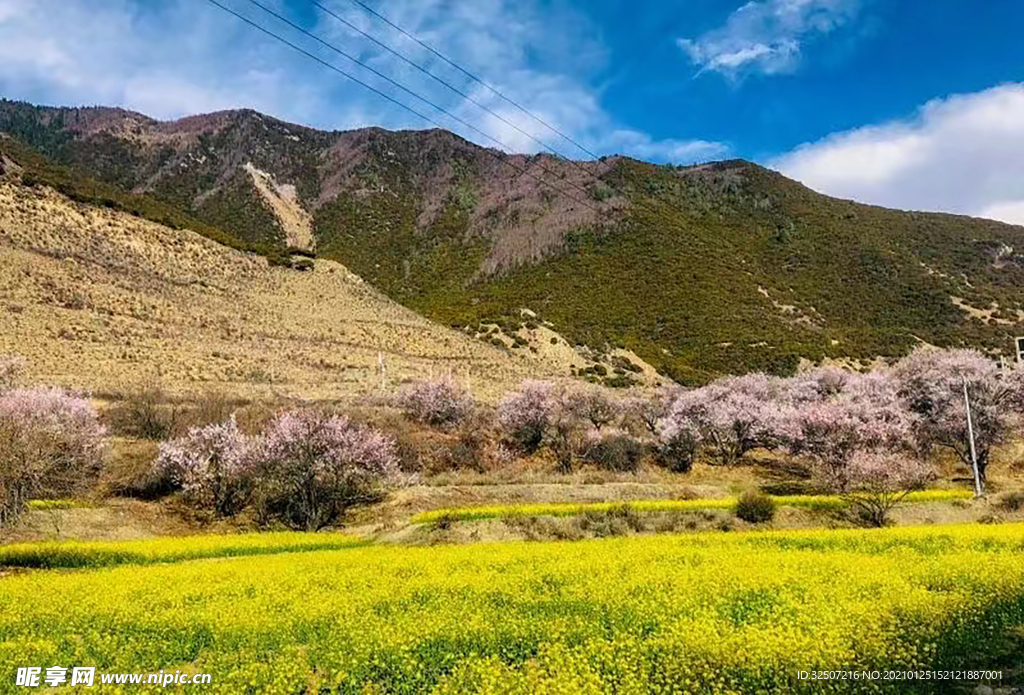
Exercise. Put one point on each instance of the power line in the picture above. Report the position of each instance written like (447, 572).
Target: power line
(434, 77)
(462, 94)
(571, 161)
(473, 77)
(409, 91)
(500, 157)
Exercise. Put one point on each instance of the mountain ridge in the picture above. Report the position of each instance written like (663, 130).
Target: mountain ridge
(700, 270)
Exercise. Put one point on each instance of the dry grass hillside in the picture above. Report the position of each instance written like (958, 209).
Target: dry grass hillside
(99, 299)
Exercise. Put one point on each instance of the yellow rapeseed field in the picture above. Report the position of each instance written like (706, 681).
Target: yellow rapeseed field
(169, 549)
(700, 613)
(497, 511)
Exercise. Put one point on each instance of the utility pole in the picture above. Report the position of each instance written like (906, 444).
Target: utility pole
(970, 437)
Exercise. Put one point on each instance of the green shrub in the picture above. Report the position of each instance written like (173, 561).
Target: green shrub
(755, 507)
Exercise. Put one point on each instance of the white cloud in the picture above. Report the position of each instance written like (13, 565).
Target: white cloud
(174, 59)
(9, 9)
(962, 154)
(766, 36)
(640, 145)
(183, 57)
(1011, 211)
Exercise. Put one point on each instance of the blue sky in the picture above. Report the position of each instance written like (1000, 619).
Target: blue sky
(897, 102)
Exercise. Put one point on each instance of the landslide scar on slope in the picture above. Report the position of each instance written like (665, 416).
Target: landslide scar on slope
(284, 201)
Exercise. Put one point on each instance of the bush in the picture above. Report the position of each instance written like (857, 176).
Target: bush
(471, 449)
(213, 407)
(145, 414)
(525, 415)
(436, 402)
(677, 451)
(614, 451)
(617, 521)
(1012, 501)
(51, 445)
(310, 466)
(210, 465)
(755, 507)
(11, 369)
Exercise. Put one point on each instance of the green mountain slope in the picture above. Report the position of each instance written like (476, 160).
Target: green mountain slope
(727, 267)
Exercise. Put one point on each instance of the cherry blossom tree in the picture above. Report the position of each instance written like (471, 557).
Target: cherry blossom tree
(311, 466)
(590, 404)
(51, 445)
(525, 414)
(866, 415)
(210, 465)
(729, 416)
(651, 409)
(437, 402)
(931, 385)
(819, 383)
(874, 482)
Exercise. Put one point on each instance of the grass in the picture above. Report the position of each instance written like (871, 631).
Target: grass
(497, 511)
(39, 170)
(51, 555)
(699, 613)
(333, 327)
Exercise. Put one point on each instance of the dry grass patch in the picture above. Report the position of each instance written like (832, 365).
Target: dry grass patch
(98, 299)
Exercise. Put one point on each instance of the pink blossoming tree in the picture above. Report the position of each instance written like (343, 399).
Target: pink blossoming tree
(866, 415)
(311, 466)
(728, 417)
(931, 384)
(874, 482)
(525, 415)
(436, 402)
(51, 445)
(210, 465)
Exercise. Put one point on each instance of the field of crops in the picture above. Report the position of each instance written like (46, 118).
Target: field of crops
(497, 511)
(170, 549)
(699, 613)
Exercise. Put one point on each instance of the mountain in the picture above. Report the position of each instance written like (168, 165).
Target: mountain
(700, 270)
